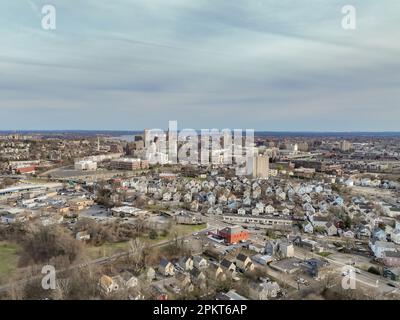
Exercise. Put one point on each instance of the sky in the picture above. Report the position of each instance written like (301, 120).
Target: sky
(284, 65)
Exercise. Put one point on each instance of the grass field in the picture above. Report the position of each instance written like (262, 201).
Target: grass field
(324, 254)
(8, 259)
(108, 249)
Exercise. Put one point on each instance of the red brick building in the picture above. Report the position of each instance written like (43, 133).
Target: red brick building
(22, 170)
(233, 234)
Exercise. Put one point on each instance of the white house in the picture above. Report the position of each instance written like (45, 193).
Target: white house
(186, 263)
(199, 262)
(263, 291)
(379, 247)
(308, 228)
(269, 209)
(260, 206)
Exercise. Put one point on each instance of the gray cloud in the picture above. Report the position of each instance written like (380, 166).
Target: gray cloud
(262, 64)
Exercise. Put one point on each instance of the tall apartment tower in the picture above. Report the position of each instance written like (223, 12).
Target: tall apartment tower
(345, 145)
(146, 137)
(258, 166)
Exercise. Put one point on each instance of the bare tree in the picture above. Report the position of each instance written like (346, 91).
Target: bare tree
(137, 254)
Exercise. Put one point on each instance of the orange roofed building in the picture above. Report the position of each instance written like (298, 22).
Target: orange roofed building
(233, 234)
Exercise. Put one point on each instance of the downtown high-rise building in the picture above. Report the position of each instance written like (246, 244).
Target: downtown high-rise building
(258, 166)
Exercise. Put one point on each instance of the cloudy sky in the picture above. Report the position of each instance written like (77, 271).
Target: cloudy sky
(284, 65)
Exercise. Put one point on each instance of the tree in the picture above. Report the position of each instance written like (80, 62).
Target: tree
(50, 243)
(103, 195)
(319, 229)
(137, 255)
(374, 270)
(347, 222)
(153, 234)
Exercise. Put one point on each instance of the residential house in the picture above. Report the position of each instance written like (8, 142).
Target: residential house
(339, 201)
(186, 263)
(286, 249)
(158, 292)
(379, 235)
(269, 209)
(150, 274)
(197, 276)
(166, 268)
(199, 262)
(244, 263)
(246, 201)
(211, 198)
(218, 211)
(183, 281)
(256, 247)
(264, 290)
(380, 247)
(331, 229)
(215, 272)
(363, 232)
(187, 197)
(177, 197)
(260, 206)
(271, 248)
(228, 266)
(230, 295)
(82, 236)
(395, 236)
(194, 206)
(314, 266)
(107, 284)
(8, 219)
(320, 222)
(348, 234)
(167, 196)
(308, 207)
(308, 228)
(129, 280)
(222, 199)
(391, 258)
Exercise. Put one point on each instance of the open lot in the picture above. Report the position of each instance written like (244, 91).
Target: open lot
(109, 249)
(8, 259)
(391, 196)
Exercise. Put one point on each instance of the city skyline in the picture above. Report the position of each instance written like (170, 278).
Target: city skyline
(260, 65)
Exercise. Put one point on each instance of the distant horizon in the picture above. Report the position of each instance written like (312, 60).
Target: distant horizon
(197, 129)
(255, 130)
